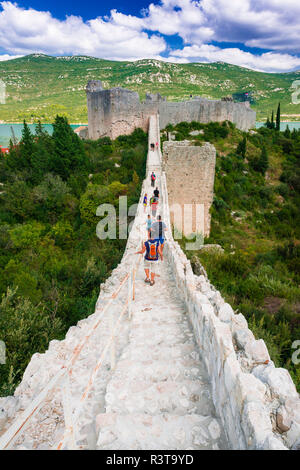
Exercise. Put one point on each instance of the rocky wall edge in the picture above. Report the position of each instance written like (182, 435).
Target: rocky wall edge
(257, 402)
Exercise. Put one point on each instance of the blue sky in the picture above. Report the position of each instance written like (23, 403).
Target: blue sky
(262, 35)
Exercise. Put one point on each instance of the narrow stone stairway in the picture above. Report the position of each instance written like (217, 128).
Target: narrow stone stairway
(159, 396)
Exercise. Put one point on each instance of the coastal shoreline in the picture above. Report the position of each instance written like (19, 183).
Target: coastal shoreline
(46, 123)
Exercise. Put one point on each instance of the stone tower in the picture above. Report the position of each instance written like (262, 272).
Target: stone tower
(190, 173)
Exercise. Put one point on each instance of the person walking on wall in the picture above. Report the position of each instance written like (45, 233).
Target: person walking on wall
(156, 192)
(149, 224)
(154, 206)
(153, 252)
(158, 229)
(153, 178)
(145, 202)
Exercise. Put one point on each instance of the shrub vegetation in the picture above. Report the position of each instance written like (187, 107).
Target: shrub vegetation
(50, 257)
(256, 219)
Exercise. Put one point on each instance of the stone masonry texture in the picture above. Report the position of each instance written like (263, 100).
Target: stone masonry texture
(190, 172)
(118, 111)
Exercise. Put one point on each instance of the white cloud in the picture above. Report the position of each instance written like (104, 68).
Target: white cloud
(8, 57)
(183, 17)
(267, 24)
(267, 62)
(26, 31)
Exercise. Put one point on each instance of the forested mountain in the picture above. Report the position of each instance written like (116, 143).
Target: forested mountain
(40, 86)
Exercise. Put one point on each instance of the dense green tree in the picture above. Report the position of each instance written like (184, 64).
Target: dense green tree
(24, 328)
(278, 118)
(287, 133)
(69, 155)
(242, 147)
(48, 207)
(272, 121)
(264, 160)
(261, 163)
(26, 146)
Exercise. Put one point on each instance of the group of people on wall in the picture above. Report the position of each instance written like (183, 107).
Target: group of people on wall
(156, 228)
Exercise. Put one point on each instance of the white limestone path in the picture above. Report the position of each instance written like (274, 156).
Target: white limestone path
(159, 396)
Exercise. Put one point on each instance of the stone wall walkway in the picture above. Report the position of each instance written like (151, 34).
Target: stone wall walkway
(159, 396)
(174, 386)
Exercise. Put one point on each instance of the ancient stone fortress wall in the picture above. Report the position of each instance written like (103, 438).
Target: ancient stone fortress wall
(190, 172)
(118, 111)
(258, 403)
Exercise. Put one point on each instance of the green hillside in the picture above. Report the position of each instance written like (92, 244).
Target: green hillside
(40, 86)
(255, 219)
(51, 260)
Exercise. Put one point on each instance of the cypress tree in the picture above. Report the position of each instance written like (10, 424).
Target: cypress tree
(69, 154)
(26, 143)
(278, 118)
(272, 121)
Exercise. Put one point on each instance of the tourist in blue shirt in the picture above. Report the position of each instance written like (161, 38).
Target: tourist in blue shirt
(158, 230)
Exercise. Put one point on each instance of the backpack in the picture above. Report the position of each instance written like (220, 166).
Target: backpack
(153, 176)
(152, 255)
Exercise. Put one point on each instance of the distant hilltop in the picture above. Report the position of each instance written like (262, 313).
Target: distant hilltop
(40, 86)
(118, 111)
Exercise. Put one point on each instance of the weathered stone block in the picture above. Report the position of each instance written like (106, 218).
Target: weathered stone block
(248, 389)
(279, 381)
(293, 436)
(225, 313)
(272, 443)
(243, 337)
(257, 424)
(292, 405)
(239, 322)
(231, 370)
(283, 420)
(258, 351)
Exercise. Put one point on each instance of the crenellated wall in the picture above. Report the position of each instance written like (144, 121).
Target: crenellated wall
(119, 111)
